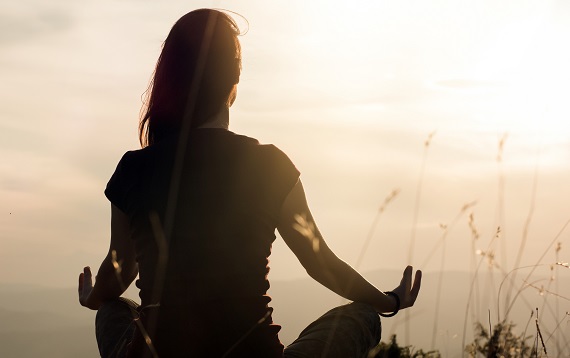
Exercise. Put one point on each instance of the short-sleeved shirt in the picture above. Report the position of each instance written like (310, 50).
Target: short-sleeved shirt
(206, 216)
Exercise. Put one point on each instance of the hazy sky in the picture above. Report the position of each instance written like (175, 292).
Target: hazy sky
(350, 90)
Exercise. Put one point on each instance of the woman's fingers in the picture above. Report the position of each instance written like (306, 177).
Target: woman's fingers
(409, 288)
(85, 284)
(416, 287)
(87, 279)
(87, 272)
(408, 278)
(80, 285)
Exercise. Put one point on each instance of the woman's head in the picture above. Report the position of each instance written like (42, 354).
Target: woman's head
(195, 75)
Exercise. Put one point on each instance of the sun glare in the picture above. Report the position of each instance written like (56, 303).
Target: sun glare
(513, 72)
(529, 61)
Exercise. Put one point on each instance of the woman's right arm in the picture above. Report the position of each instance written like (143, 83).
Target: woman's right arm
(300, 233)
(111, 280)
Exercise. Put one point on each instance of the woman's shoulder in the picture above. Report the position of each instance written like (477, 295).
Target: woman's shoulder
(269, 155)
(257, 145)
(143, 154)
(135, 156)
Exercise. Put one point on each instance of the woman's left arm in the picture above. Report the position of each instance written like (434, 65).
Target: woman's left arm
(111, 281)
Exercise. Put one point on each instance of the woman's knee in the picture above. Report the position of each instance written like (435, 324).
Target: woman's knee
(115, 306)
(357, 317)
(114, 325)
(117, 312)
(364, 312)
(349, 331)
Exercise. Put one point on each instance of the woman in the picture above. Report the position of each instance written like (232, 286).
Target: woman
(194, 214)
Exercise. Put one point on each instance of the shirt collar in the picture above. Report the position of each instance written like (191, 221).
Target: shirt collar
(219, 120)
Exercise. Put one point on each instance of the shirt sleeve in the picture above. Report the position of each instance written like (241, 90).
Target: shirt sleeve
(121, 186)
(283, 175)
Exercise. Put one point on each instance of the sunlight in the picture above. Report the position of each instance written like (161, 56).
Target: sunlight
(534, 108)
(528, 60)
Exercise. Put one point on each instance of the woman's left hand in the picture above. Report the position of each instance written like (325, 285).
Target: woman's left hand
(85, 288)
(408, 289)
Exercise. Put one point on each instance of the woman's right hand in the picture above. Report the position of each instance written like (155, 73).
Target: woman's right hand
(408, 291)
(85, 288)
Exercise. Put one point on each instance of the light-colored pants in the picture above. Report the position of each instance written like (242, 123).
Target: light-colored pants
(348, 331)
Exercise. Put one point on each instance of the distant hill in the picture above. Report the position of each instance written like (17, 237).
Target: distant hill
(299, 302)
(71, 342)
(44, 322)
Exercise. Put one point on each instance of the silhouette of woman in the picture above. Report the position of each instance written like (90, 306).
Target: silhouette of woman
(194, 215)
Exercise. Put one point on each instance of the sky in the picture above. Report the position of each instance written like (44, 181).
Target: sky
(350, 90)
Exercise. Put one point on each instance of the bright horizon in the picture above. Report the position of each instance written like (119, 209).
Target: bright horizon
(350, 91)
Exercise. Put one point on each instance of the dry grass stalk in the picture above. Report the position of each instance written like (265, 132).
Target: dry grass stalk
(501, 148)
(539, 336)
(134, 313)
(501, 199)
(307, 228)
(473, 255)
(446, 228)
(389, 199)
(528, 323)
(526, 227)
(415, 219)
(556, 329)
(441, 242)
(533, 267)
(471, 286)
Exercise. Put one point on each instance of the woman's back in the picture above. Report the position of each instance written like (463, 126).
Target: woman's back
(226, 209)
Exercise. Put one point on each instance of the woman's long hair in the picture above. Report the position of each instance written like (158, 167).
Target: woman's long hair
(195, 75)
